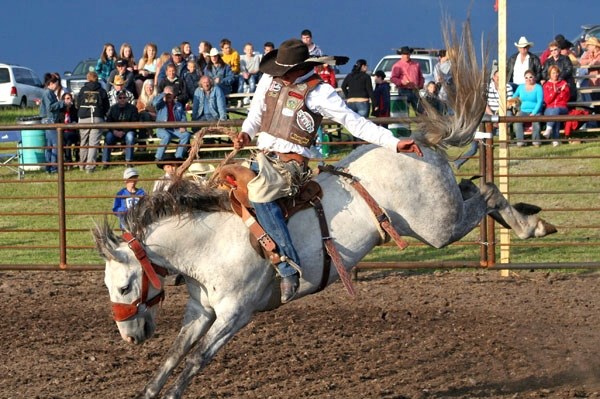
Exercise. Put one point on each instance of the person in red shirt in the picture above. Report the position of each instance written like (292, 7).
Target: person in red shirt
(327, 73)
(556, 96)
(407, 76)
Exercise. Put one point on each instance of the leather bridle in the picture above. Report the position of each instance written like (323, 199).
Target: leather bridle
(150, 272)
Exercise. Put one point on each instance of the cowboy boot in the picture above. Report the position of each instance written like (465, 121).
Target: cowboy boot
(289, 286)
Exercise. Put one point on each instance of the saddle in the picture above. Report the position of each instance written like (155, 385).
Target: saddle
(309, 195)
(238, 177)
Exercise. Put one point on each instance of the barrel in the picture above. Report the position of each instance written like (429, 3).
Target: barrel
(32, 143)
(399, 109)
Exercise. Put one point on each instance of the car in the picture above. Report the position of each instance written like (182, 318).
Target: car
(19, 86)
(74, 80)
(427, 59)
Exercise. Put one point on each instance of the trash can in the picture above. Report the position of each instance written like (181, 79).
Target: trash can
(399, 109)
(34, 139)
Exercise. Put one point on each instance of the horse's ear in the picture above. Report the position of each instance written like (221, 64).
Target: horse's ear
(106, 240)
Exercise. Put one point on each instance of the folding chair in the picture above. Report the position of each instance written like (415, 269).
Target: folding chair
(6, 159)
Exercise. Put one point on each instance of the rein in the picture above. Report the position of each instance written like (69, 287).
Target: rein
(150, 272)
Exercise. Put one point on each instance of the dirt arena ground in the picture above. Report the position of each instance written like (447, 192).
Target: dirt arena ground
(459, 334)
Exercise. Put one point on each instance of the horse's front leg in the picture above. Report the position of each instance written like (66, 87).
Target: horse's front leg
(521, 218)
(197, 322)
(228, 323)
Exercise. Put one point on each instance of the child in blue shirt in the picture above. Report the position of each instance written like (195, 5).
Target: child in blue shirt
(128, 196)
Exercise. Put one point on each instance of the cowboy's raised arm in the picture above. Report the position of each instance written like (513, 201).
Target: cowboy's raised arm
(329, 104)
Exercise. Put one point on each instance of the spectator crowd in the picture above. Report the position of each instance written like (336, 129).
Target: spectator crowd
(166, 87)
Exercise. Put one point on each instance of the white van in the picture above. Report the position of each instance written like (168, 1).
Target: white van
(19, 86)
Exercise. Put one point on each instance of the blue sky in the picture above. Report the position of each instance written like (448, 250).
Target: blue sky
(55, 35)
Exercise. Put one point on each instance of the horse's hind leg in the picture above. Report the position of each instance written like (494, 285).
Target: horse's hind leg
(227, 324)
(198, 321)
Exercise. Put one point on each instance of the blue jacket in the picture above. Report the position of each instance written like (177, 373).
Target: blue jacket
(191, 83)
(216, 105)
(162, 73)
(50, 105)
(124, 201)
(162, 112)
(224, 73)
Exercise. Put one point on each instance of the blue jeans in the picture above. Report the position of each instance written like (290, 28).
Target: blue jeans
(271, 219)
(166, 135)
(51, 152)
(412, 98)
(251, 82)
(468, 154)
(111, 139)
(535, 134)
(555, 125)
(361, 108)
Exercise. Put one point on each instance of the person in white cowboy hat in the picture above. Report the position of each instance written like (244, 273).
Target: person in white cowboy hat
(287, 108)
(219, 71)
(522, 61)
(199, 172)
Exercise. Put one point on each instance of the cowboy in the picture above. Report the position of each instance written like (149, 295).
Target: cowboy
(522, 61)
(408, 78)
(169, 165)
(287, 108)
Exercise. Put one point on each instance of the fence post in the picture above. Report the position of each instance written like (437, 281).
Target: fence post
(62, 225)
(489, 177)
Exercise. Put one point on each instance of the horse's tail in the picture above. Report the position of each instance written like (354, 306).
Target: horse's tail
(467, 93)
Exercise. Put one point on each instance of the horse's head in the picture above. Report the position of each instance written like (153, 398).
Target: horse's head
(133, 284)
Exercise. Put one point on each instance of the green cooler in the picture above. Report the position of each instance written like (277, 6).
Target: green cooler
(32, 142)
(399, 109)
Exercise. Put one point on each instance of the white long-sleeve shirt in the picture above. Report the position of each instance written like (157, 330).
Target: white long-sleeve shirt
(323, 100)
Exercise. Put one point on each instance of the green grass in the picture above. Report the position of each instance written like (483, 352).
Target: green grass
(570, 202)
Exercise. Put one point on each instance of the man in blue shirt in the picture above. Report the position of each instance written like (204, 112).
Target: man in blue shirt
(209, 102)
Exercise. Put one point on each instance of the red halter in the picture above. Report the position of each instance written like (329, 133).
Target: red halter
(125, 311)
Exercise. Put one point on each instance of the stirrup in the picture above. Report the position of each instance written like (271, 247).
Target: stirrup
(293, 264)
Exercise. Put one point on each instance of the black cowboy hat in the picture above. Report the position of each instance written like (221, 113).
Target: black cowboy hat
(404, 50)
(292, 55)
(168, 159)
(564, 44)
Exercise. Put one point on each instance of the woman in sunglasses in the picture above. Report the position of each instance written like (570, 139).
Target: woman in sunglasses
(532, 98)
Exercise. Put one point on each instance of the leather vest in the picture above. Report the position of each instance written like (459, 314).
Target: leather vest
(286, 115)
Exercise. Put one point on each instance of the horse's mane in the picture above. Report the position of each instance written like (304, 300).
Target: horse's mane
(182, 197)
(467, 95)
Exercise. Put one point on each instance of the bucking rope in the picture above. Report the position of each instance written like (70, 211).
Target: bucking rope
(197, 143)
